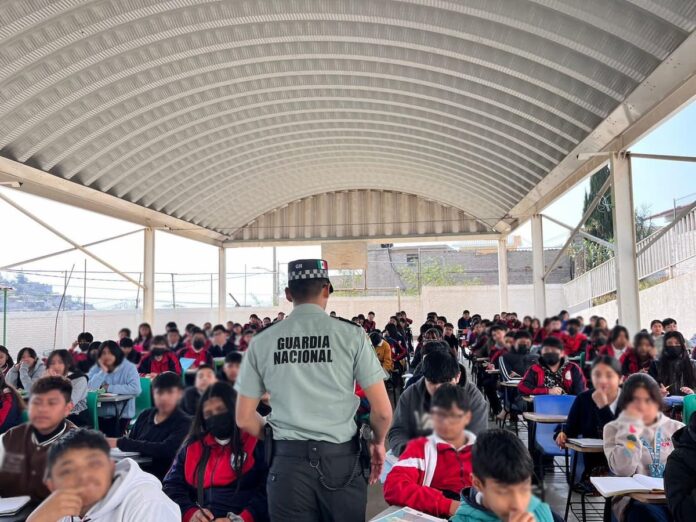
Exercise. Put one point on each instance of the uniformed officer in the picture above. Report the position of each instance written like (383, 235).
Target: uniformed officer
(309, 363)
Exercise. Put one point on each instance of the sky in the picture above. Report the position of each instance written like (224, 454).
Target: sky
(656, 185)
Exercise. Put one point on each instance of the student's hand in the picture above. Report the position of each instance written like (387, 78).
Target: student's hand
(686, 390)
(600, 399)
(202, 515)
(556, 391)
(663, 390)
(377, 457)
(103, 366)
(521, 516)
(632, 411)
(61, 503)
(454, 506)
(514, 374)
(561, 440)
(490, 367)
(113, 442)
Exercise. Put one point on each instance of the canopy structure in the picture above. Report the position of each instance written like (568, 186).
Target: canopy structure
(210, 117)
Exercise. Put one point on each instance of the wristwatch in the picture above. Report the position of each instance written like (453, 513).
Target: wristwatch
(234, 518)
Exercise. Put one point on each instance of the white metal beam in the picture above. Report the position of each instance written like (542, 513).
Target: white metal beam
(582, 233)
(503, 274)
(65, 238)
(59, 252)
(222, 285)
(625, 241)
(397, 238)
(590, 209)
(149, 277)
(40, 183)
(538, 267)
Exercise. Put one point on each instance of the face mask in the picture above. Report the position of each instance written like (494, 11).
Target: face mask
(220, 426)
(572, 330)
(601, 341)
(83, 346)
(157, 352)
(523, 348)
(198, 344)
(673, 352)
(550, 359)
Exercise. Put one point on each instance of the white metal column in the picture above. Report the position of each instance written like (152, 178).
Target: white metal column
(538, 267)
(628, 300)
(503, 274)
(149, 277)
(222, 285)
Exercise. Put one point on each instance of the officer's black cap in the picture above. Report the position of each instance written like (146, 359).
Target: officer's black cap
(303, 269)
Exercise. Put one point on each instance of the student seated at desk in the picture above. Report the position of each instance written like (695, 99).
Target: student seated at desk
(640, 356)
(230, 370)
(60, 364)
(6, 362)
(11, 406)
(222, 344)
(127, 345)
(27, 371)
(159, 431)
(639, 441)
(591, 411)
(220, 470)
(88, 485)
(412, 414)
(515, 363)
(575, 342)
(553, 374)
(197, 349)
(502, 483)
(205, 376)
(680, 478)
(24, 448)
(114, 374)
(433, 470)
(159, 359)
(675, 370)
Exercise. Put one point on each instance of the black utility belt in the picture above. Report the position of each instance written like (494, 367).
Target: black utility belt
(313, 450)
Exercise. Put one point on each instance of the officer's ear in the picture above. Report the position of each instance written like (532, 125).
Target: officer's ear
(288, 295)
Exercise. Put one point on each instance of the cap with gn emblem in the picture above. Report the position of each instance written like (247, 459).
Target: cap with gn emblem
(302, 269)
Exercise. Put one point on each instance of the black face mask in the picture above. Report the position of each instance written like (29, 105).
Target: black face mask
(522, 348)
(572, 330)
(83, 346)
(672, 352)
(220, 426)
(550, 359)
(198, 344)
(157, 352)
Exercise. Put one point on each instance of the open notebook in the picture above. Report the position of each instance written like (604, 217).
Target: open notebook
(587, 443)
(12, 505)
(612, 486)
(407, 514)
(118, 454)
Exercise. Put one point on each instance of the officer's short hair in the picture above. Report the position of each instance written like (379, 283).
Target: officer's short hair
(304, 289)
(440, 367)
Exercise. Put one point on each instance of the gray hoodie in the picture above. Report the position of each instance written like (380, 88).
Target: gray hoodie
(25, 376)
(411, 417)
(134, 496)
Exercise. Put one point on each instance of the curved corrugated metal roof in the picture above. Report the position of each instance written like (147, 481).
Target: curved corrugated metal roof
(217, 112)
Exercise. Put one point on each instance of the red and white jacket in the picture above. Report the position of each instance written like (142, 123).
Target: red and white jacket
(427, 467)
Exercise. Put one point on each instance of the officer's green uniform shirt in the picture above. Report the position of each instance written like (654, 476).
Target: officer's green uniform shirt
(309, 363)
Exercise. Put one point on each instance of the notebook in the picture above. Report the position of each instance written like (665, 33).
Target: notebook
(12, 505)
(612, 486)
(118, 454)
(407, 515)
(587, 443)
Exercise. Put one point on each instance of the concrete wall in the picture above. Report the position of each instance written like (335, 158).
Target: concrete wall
(673, 298)
(36, 329)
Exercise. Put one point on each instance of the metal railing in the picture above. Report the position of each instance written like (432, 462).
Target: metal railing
(659, 260)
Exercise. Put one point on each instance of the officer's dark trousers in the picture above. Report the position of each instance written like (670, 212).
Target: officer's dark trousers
(295, 492)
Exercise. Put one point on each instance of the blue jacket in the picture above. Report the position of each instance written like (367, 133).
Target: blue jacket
(124, 380)
(471, 511)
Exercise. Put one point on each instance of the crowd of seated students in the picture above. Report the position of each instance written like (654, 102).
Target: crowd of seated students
(446, 461)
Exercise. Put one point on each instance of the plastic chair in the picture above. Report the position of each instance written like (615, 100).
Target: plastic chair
(144, 400)
(543, 434)
(92, 408)
(689, 408)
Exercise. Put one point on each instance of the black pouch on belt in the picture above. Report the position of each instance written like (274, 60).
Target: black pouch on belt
(268, 444)
(365, 437)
